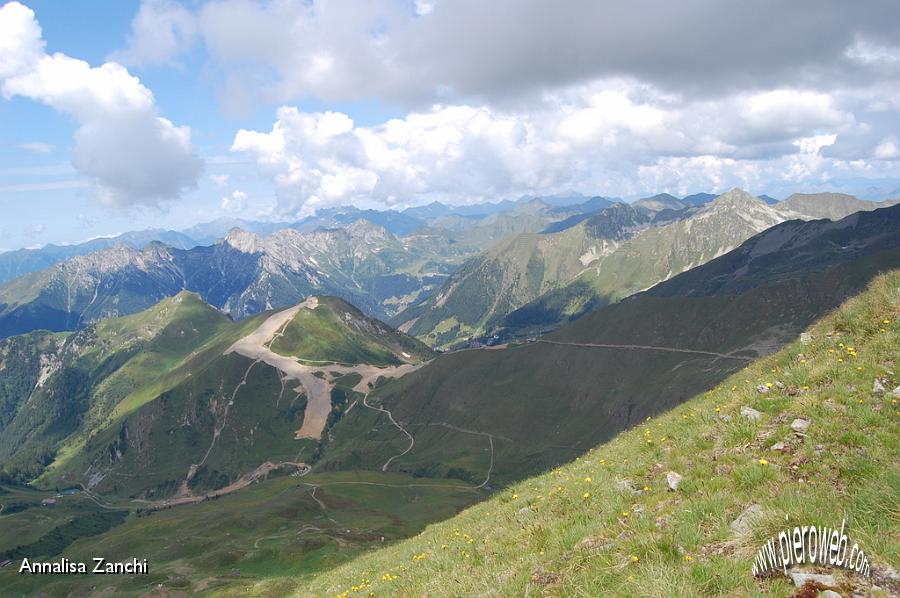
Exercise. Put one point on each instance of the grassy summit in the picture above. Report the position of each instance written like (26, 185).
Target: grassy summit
(335, 331)
(607, 524)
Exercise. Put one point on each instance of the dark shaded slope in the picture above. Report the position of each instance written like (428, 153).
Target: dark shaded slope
(537, 404)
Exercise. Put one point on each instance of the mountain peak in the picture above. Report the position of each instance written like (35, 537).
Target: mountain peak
(737, 197)
(243, 241)
(366, 229)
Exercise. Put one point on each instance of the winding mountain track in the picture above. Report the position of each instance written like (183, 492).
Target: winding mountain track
(412, 441)
(647, 348)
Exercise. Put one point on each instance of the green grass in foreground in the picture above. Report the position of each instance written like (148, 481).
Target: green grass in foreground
(607, 524)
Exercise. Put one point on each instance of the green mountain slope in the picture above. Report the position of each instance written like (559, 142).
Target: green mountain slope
(69, 384)
(515, 271)
(335, 331)
(653, 256)
(162, 403)
(519, 409)
(606, 524)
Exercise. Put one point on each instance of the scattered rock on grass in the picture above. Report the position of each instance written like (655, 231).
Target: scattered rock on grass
(745, 520)
(673, 480)
(626, 486)
(806, 338)
(800, 425)
(829, 594)
(878, 387)
(800, 578)
(896, 392)
(750, 413)
(762, 389)
(544, 578)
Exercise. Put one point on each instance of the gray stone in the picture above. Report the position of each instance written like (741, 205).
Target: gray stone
(878, 387)
(745, 520)
(829, 594)
(801, 578)
(896, 392)
(750, 413)
(800, 425)
(762, 389)
(779, 384)
(779, 446)
(726, 418)
(626, 486)
(673, 480)
(806, 338)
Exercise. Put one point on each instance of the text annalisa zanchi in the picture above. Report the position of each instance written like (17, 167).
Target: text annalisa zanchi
(810, 544)
(97, 566)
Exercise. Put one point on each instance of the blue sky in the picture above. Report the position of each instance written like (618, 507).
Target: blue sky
(186, 112)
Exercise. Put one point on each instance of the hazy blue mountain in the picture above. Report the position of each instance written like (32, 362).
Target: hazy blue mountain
(242, 274)
(23, 261)
(660, 201)
(698, 199)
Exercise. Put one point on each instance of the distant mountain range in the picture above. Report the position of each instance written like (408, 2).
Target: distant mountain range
(516, 280)
(242, 275)
(24, 261)
(535, 282)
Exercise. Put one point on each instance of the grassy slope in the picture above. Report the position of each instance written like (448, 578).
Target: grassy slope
(503, 278)
(335, 331)
(583, 396)
(162, 348)
(581, 536)
(272, 529)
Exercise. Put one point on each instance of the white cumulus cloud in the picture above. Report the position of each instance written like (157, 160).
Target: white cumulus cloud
(135, 156)
(615, 136)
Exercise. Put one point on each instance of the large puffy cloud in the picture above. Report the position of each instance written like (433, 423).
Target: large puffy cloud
(135, 156)
(420, 52)
(613, 136)
(506, 97)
